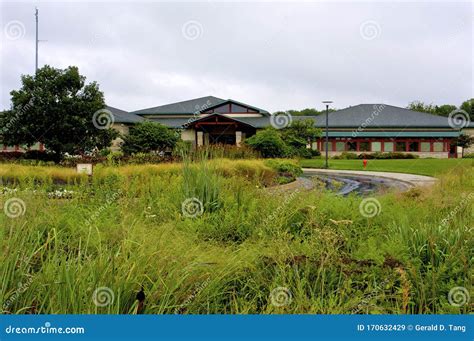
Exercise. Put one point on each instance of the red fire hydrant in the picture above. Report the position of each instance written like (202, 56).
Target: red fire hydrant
(365, 163)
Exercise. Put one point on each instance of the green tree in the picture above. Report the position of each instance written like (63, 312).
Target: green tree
(55, 107)
(464, 141)
(444, 110)
(268, 142)
(421, 107)
(148, 137)
(299, 134)
(468, 106)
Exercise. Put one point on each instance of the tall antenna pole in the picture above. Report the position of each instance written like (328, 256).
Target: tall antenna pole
(36, 56)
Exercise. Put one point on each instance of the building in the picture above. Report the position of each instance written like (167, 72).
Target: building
(364, 128)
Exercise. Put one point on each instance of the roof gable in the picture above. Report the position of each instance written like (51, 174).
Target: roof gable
(186, 107)
(196, 106)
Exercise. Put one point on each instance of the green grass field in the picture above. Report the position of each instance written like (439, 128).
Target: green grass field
(250, 251)
(432, 167)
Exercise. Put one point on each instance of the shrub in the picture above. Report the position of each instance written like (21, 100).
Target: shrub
(149, 136)
(346, 156)
(268, 143)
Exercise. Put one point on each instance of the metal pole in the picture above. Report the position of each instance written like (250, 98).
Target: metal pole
(327, 135)
(36, 56)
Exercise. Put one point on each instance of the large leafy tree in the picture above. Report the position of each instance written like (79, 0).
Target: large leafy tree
(56, 107)
(148, 137)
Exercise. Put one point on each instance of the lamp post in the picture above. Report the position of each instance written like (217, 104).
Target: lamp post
(327, 128)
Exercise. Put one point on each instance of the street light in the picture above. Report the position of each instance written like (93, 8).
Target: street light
(327, 128)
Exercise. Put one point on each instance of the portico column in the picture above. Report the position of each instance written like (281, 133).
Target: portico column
(200, 138)
(238, 138)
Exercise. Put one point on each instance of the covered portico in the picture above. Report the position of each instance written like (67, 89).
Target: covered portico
(220, 129)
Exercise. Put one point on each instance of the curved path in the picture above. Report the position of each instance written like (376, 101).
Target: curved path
(412, 180)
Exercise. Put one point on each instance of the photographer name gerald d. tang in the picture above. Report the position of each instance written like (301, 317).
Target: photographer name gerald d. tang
(439, 328)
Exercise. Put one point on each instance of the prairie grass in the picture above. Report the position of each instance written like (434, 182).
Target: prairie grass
(125, 230)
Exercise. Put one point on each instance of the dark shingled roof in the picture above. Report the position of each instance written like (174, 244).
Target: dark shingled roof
(191, 106)
(121, 116)
(381, 116)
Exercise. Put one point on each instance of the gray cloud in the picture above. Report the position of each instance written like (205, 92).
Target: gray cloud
(272, 55)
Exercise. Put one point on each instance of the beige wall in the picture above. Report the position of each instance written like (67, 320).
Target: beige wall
(470, 132)
(188, 135)
(123, 130)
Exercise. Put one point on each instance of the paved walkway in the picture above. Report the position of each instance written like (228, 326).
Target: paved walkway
(410, 179)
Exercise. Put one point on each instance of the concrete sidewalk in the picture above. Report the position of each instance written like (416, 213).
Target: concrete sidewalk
(410, 179)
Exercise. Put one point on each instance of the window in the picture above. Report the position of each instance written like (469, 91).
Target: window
(364, 146)
(376, 146)
(438, 146)
(352, 146)
(400, 147)
(340, 146)
(222, 109)
(238, 108)
(388, 146)
(413, 146)
(329, 146)
(425, 147)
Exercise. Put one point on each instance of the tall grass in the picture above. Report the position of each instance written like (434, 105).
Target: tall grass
(125, 230)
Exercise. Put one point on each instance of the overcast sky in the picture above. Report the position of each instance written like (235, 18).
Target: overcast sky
(272, 55)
